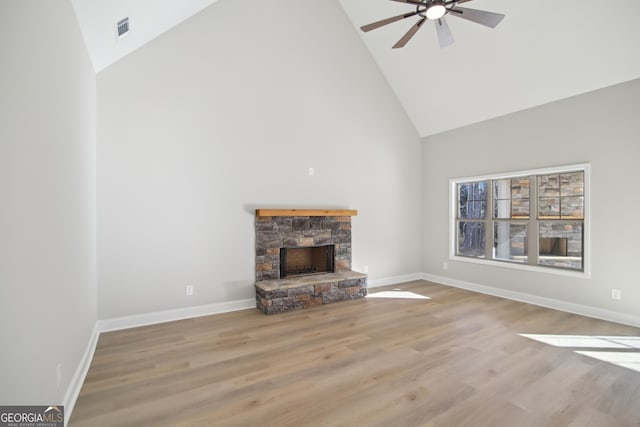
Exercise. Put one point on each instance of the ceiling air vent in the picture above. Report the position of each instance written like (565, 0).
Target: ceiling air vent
(122, 27)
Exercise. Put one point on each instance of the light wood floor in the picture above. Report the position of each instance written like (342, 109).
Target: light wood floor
(453, 360)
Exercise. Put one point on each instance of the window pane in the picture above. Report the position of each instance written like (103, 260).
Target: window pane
(548, 185)
(573, 207)
(472, 191)
(502, 189)
(511, 198)
(549, 207)
(560, 244)
(520, 188)
(472, 199)
(570, 188)
(510, 241)
(520, 208)
(472, 210)
(502, 208)
(572, 184)
(471, 239)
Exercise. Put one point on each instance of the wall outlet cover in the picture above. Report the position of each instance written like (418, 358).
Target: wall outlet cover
(616, 294)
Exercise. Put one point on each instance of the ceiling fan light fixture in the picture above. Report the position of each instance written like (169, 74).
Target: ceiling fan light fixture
(436, 10)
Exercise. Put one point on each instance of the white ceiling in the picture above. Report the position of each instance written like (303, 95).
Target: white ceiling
(543, 51)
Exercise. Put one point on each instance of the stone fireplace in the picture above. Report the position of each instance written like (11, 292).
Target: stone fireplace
(303, 258)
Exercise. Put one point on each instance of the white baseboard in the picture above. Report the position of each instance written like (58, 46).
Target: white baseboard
(74, 387)
(583, 310)
(393, 280)
(136, 320)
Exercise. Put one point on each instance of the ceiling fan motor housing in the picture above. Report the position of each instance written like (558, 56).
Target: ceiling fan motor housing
(436, 9)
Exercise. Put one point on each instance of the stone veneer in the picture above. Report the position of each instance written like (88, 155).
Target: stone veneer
(275, 232)
(276, 295)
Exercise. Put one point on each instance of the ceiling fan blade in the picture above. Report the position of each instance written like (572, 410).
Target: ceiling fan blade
(413, 2)
(412, 31)
(444, 34)
(379, 24)
(481, 17)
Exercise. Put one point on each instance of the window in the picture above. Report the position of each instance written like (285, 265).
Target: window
(529, 219)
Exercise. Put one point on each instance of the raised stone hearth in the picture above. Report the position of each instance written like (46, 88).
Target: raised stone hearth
(315, 282)
(277, 296)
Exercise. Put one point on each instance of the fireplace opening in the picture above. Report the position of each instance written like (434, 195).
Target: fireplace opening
(295, 262)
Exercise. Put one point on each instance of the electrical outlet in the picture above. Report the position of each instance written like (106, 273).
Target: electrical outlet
(59, 375)
(312, 171)
(616, 294)
(445, 266)
(188, 290)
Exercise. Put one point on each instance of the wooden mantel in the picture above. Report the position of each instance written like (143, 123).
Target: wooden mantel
(306, 212)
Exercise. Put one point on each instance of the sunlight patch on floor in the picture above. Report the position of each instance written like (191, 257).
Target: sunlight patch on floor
(397, 293)
(582, 341)
(625, 359)
(620, 348)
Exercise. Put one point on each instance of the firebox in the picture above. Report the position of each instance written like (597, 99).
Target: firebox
(304, 261)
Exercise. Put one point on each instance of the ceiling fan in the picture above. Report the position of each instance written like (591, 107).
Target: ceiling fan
(436, 10)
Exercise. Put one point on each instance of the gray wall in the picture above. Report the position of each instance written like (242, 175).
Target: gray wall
(47, 200)
(224, 114)
(600, 128)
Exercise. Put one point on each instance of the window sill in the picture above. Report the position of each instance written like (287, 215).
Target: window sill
(524, 267)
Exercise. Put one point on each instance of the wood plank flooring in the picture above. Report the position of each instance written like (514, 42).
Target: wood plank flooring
(456, 359)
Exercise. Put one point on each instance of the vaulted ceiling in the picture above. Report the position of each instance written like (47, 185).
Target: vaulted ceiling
(543, 51)
(148, 19)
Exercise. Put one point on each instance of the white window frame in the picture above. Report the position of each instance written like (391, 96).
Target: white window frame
(586, 240)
